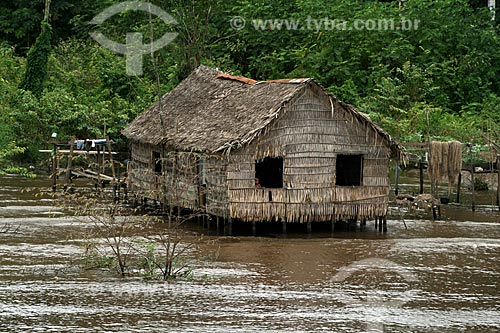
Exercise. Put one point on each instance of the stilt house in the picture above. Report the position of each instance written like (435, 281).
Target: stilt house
(279, 150)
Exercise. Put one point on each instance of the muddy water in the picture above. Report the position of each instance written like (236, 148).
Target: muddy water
(431, 277)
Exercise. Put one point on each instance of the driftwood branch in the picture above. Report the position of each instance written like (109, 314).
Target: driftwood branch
(8, 228)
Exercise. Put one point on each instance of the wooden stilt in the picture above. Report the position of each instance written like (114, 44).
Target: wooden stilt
(380, 219)
(309, 227)
(54, 167)
(459, 185)
(385, 224)
(254, 228)
(67, 178)
(435, 209)
(99, 161)
(473, 180)
(333, 225)
(228, 227)
(283, 227)
(376, 222)
(498, 181)
(108, 145)
(421, 175)
(396, 178)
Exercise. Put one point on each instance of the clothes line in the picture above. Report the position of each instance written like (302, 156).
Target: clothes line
(90, 143)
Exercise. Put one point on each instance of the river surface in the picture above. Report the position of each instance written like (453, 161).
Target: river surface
(440, 276)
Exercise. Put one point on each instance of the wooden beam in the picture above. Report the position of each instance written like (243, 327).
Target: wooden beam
(67, 177)
(75, 152)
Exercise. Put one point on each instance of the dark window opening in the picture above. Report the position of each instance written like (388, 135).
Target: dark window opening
(157, 162)
(269, 172)
(349, 170)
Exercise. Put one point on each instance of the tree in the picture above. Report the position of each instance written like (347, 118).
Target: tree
(38, 57)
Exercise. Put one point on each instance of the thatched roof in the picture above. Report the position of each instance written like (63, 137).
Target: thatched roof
(213, 111)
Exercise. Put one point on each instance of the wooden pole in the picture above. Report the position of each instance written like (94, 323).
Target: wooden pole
(69, 169)
(283, 227)
(385, 224)
(380, 219)
(228, 227)
(98, 166)
(54, 166)
(108, 145)
(396, 177)
(498, 181)
(309, 227)
(473, 180)
(429, 157)
(421, 174)
(459, 185)
(254, 228)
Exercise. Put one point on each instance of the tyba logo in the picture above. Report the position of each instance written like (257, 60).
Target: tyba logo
(133, 48)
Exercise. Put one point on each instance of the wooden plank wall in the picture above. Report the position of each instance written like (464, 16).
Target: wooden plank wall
(176, 186)
(216, 184)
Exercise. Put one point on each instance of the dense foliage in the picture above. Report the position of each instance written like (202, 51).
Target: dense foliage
(35, 73)
(447, 68)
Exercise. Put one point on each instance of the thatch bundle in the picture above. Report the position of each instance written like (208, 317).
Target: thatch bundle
(217, 112)
(445, 159)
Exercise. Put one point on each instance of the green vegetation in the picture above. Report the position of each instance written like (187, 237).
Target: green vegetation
(36, 62)
(448, 68)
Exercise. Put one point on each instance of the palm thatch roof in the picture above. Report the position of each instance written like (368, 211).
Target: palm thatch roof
(214, 111)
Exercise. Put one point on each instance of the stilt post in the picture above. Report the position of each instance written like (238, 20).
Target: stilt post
(69, 169)
(498, 181)
(228, 227)
(421, 175)
(396, 177)
(362, 223)
(108, 145)
(54, 166)
(473, 180)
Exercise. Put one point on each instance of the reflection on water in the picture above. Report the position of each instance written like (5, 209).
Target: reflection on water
(257, 284)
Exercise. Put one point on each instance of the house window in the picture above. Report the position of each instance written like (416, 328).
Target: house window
(157, 162)
(269, 172)
(349, 170)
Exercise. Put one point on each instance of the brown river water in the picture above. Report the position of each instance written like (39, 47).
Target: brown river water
(430, 276)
